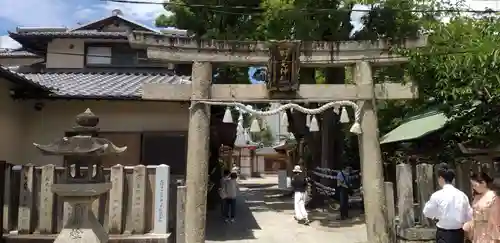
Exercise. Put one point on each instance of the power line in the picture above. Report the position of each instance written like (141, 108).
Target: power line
(310, 10)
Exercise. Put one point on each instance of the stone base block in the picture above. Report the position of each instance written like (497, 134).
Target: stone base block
(417, 235)
(83, 235)
(82, 227)
(39, 238)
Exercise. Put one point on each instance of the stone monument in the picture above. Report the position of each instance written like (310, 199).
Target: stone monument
(83, 181)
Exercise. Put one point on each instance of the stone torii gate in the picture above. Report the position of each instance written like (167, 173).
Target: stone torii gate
(306, 54)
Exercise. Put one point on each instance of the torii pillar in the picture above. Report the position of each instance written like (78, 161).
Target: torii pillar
(198, 154)
(372, 166)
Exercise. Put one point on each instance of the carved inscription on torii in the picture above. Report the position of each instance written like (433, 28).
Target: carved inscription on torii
(283, 67)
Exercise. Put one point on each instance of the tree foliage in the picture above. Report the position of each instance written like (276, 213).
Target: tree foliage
(298, 19)
(458, 73)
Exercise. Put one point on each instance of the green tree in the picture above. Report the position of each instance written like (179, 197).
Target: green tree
(458, 72)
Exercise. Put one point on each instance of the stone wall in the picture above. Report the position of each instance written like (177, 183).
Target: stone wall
(141, 201)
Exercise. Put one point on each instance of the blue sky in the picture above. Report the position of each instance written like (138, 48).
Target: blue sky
(69, 13)
(52, 13)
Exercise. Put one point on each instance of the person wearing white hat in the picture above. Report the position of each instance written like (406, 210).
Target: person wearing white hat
(299, 185)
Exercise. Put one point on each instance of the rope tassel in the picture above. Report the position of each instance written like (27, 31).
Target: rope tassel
(228, 117)
(313, 127)
(284, 119)
(344, 116)
(356, 128)
(255, 126)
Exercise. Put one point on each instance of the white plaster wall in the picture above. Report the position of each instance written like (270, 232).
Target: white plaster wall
(66, 53)
(21, 124)
(261, 166)
(12, 125)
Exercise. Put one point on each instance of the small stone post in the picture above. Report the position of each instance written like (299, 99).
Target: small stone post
(180, 225)
(162, 198)
(80, 188)
(3, 166)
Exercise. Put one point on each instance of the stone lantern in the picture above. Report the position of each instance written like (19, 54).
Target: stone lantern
(83, 181)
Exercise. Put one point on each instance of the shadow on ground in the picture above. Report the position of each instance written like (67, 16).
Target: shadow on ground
(330, 218)
(269, 198)
(258, 185)
(266, 199)
(242, 229)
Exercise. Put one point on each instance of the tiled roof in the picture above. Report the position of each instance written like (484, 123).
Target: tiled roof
(73, 34)
(101, 85)
(19, 78)
(17, 53)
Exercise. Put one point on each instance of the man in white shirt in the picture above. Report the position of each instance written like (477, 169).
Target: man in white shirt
(449, 206)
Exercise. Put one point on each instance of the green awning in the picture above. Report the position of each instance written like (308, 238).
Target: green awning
(416, 127)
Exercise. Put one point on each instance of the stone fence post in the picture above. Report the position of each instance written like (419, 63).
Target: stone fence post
(161, 197)
(425, 188)
(391, 210)
(47, 200)
(3, 166)
(404, 179)
(180, 226)
(115, 222)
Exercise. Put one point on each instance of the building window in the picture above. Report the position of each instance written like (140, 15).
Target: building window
(97, 55)
(120, 55)
(123, 55)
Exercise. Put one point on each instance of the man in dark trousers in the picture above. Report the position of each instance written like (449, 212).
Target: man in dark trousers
(344, 187)
(449, 206)
(222, 193)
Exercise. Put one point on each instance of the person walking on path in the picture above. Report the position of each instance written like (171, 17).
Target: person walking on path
(450, 207)
(222, 192)
(345, 187)
(230, 192)
(299, 185)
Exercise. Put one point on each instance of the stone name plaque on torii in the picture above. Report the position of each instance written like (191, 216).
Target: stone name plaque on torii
(202, 53)
(283, 68)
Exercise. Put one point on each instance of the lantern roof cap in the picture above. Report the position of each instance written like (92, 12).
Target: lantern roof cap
(84, 143)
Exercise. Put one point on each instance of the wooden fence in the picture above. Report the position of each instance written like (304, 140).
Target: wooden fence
(138, 203)
(415, 184)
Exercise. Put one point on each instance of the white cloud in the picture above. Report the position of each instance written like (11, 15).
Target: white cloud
(483, 4)
(140, 12)
(357, 18)
(8, 43)
(83, 14)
